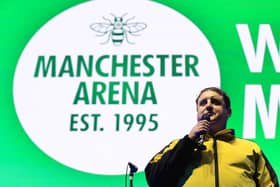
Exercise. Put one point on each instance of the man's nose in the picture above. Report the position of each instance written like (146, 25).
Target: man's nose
(209, 106)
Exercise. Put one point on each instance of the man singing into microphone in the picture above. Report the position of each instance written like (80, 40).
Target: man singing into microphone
(210, 155)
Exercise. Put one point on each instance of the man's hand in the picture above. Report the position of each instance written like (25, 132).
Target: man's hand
(202, 127)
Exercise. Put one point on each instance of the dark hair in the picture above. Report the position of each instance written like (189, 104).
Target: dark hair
(219, 91)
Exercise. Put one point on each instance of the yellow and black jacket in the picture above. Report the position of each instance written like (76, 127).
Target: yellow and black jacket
(227, 161)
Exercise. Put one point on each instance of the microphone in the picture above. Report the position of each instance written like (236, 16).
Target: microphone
(206, 116)
(132, 167)
(201, 136)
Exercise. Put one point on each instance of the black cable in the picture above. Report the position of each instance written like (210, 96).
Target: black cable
(126, 175)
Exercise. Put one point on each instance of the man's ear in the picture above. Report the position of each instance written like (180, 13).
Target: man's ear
(228, 113)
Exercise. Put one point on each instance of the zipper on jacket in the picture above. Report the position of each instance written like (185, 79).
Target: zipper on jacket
(216, 163)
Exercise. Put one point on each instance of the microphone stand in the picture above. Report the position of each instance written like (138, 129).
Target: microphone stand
(131, 174)
(132, 170)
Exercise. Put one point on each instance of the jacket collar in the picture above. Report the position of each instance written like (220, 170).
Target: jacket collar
(225, 135)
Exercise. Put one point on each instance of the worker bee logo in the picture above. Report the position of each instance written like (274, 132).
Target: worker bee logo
(117, 29)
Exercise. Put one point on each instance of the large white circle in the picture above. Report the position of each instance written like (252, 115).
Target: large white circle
(45, 104)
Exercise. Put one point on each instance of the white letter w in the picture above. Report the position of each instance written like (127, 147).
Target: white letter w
(255, 58)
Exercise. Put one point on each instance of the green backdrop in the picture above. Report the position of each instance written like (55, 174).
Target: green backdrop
(23, 164)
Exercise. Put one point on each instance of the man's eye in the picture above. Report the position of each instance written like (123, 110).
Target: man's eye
(203, 102)
(216, 101)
